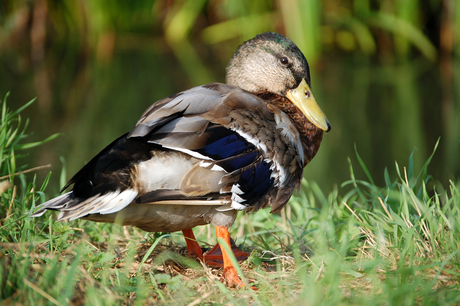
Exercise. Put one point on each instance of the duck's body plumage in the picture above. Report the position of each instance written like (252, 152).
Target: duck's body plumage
(201, 155)
(213, 145)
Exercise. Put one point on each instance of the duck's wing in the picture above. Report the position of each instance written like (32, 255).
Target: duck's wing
(254, 147)
(211, 144)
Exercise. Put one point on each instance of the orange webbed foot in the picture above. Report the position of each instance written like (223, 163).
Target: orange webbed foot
(214, 257)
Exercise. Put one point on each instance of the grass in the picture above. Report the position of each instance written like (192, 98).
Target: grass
(361, 244)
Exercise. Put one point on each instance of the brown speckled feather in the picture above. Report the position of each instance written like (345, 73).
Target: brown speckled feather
(311, 135)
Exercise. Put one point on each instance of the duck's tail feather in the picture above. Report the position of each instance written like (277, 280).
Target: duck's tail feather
(54, 204)
(71, 208)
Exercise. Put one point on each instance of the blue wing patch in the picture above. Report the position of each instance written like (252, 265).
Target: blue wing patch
(235, 154)
(255, 182)
(227, 146)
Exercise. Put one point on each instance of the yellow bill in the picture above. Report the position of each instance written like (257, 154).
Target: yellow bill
(303, 98)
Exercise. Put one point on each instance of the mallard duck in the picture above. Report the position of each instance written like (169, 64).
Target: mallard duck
(202, 155)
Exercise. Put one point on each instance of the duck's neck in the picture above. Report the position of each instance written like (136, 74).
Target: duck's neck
(310, 135)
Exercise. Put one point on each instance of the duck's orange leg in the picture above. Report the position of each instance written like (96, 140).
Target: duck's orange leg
(230, 274)
(193, 247)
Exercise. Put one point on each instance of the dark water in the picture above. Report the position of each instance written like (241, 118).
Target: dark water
(386, 110)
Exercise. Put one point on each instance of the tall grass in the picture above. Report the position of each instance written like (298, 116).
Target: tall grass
(361, 244)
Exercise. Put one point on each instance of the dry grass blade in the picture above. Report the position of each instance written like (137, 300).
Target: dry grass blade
(26, 171)
(200, 299)
(386, 209)
(353, 212)
(41, 292)
(8, 213)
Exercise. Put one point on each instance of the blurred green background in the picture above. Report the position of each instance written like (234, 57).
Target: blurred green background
(386, 73)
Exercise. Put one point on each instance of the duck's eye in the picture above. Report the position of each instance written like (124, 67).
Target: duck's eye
(284, 61)
(307, 94)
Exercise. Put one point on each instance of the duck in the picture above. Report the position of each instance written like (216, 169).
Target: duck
(202, 155)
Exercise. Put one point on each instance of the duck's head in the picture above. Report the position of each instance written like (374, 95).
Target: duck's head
(272, 63)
